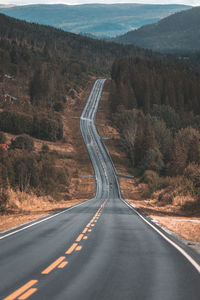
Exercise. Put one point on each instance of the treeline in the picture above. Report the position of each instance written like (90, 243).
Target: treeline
(141, 83)
(43, 128)
(176, 33)
(42, 78)
(159, 125)
(97, 54)
(23, 169)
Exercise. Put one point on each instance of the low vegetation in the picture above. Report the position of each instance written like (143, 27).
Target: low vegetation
(178, 33)
(155, 108)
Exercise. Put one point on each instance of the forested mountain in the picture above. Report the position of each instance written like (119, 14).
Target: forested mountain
(42, 66)
(141, 83)
(177, 33)
(100, 20)
(156, 108)
(42, 70)
(57, 43)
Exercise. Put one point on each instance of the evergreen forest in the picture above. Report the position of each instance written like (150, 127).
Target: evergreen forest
(155, 107)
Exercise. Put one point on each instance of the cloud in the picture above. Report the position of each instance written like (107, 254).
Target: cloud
(26, 2)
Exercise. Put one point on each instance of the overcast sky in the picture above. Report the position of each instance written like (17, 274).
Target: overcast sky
(23, 2)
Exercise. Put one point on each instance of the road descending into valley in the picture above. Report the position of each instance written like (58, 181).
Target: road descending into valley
(99, 249)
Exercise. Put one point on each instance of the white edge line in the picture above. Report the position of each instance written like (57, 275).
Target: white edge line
(183, 252)
(41, 221)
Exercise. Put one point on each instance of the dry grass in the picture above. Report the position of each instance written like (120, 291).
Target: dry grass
(72, 154)
(23, 207)
(139, 194)
(182, 227)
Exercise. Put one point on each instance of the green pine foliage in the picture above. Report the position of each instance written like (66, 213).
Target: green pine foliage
(156, 108)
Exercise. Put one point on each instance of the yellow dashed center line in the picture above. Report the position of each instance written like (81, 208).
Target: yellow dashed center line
(71, 249)
(26, 291)
(79, 238)
(53, 265)
(21, 290)
(28, 294)
(78, 248)
(63, 264)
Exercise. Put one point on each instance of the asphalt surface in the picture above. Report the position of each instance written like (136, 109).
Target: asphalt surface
(100, 249)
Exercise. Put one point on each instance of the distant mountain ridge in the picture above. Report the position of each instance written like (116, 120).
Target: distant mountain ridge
(100, 20)
(177, 33)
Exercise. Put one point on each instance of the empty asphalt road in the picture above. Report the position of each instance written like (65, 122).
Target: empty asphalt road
(100, 249)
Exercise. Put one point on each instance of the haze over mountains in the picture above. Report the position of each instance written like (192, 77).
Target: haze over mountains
(177, 33)
(98, 20)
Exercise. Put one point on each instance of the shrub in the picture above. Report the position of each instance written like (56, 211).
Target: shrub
(22, 142)
(45, 148)
(192, 173)
(152, 160)
(58, 106)
(3, 199)
(14, 122)
(2, 138)
(152, 179)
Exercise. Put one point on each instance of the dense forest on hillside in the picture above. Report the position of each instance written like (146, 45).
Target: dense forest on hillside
(156, 109)
(141, 83)
(25, 170)
(42, 66)
(97, 54)
(177, 33)
(41, 70)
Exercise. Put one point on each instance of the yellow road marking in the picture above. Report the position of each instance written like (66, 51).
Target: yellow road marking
(85, 230)
(63, 264)
(92, 225)
(79, 238)
(79, 248)
(28, 294)
(85, 237)
(53, 265)
(89, 230)
(21, 290)
(71, 249)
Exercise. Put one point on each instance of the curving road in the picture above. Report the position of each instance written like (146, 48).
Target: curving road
(100, 249)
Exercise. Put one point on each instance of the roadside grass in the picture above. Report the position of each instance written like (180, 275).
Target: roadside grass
(70, 153)
(158, 198)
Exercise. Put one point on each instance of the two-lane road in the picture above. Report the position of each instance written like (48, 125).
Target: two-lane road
(100, 249)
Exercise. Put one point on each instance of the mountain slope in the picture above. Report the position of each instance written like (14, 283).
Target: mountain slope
(96, 19)
(179, 32)
(97, 54)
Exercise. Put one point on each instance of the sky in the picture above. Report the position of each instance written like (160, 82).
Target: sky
(70, 2)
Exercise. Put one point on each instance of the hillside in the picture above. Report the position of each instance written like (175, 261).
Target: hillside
(45, 77)
(177, 33)
(97, 19)
(155, 108)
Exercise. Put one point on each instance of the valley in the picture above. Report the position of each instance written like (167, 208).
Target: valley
(99, 166)
(95, 20)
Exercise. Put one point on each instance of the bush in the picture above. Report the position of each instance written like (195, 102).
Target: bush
(2, 138)
(22, 142)
(47, 129)
(3, 199)
(58, 106)
(45, 148)
(14, 122)
(152, 160)
(192, 173)
(152, 179)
